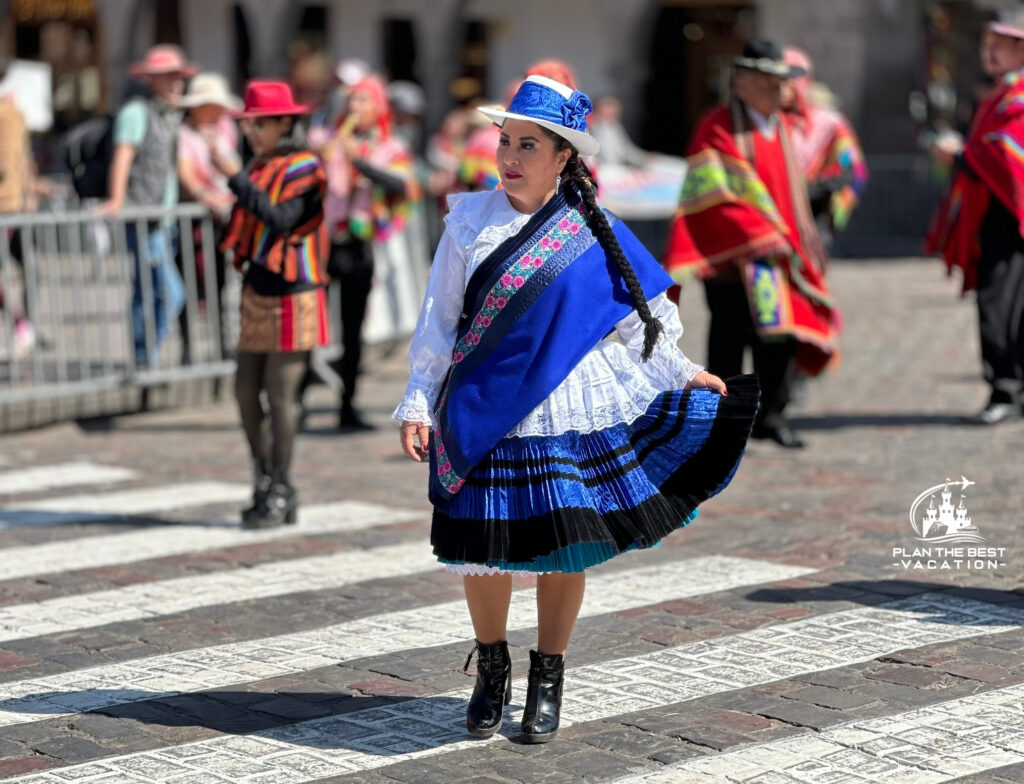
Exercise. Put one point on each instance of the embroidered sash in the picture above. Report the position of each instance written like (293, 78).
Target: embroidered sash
(533, 309)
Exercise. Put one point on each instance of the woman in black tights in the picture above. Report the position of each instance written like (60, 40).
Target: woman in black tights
(279, 242)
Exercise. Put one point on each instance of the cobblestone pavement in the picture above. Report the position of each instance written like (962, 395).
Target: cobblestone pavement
(790, 635)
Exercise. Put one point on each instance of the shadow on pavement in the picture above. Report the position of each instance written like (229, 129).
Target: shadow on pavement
(840, 421)
(874, 592)
(312, 719)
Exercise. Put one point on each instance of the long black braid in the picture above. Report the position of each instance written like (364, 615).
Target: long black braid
(578, 173)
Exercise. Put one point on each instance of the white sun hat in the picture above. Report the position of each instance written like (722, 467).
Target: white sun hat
(551, 105)
(210, 88)
(1009, 22)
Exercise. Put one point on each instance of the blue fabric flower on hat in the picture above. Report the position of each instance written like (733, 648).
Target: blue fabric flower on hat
(575, 110)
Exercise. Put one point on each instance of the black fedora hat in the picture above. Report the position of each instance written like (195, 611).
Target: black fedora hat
(764, 55)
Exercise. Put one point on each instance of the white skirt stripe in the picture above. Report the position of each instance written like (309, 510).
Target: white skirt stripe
(442, 624)
(432, 726)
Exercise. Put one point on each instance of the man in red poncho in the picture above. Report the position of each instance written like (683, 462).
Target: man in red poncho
(744, 225)
(980, 226)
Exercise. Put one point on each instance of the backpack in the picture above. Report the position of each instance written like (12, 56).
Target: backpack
(87, 150)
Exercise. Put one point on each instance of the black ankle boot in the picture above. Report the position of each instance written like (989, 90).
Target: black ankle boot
(349, 420)
(261, 482)
(543, 697)
(493, 689)
(280, 507)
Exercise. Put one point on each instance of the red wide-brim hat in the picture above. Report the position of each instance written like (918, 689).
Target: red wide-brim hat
(270, 99)
(164, 59)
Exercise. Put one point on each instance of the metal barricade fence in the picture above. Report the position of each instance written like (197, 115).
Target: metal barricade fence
(144, 299)
(100, 325)
(79, 275)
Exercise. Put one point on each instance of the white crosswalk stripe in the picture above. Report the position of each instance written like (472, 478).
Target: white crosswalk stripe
(426, 727)
(149, 600)
(86, 507)
(163, 541)
(928, 745)
(50, 477)
(425, 627)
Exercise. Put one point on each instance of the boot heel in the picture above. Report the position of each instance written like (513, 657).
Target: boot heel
(508, 689)
(292, 517)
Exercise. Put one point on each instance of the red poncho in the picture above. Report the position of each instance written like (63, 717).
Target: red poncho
(995, 152)
(744, 207)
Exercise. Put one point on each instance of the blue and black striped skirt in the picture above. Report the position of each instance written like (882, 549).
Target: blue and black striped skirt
(564, 503)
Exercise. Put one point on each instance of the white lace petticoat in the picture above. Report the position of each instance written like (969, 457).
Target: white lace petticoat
(477, 570)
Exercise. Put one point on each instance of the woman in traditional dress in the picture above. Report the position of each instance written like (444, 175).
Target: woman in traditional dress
(280, 245)
(562, 423)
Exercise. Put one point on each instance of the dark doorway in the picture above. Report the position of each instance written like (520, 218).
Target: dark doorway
(692, 47)
(472, 63)
(312, 27)
(243, 46)
(167, 22)
(399, 47)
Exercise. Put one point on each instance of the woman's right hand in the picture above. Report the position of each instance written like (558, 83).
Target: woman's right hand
(411, 432)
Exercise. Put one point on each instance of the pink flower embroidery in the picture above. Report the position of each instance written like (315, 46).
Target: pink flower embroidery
(506, 279)
(440, 449)
(538, 261)
(479, 319)
(446, 467)
(501, 302)
(485, 321)
(556, 244)
(518, 281)
(545, 242)
(575, 227)
(489, 301)
(459, 356)
(563, 224)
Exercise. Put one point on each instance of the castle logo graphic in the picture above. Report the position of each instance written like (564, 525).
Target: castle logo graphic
(949, 540)
(943, 523)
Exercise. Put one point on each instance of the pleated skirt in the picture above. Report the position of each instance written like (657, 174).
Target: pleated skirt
(567, 502)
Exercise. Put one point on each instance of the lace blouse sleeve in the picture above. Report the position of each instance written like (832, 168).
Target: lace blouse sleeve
(430, 353)
(668, 367)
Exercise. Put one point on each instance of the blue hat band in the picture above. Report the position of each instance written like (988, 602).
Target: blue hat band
(542, 103)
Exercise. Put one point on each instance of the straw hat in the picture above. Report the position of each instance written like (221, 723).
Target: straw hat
(210, 89)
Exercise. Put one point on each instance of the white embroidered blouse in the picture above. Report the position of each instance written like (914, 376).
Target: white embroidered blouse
(609, 386)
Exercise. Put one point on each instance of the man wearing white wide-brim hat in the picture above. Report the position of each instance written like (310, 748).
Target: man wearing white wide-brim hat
(980, 228)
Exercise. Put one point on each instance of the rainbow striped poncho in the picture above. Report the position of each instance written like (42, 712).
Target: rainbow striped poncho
(298, 257)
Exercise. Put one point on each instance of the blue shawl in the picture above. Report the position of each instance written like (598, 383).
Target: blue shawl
(533, 309)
